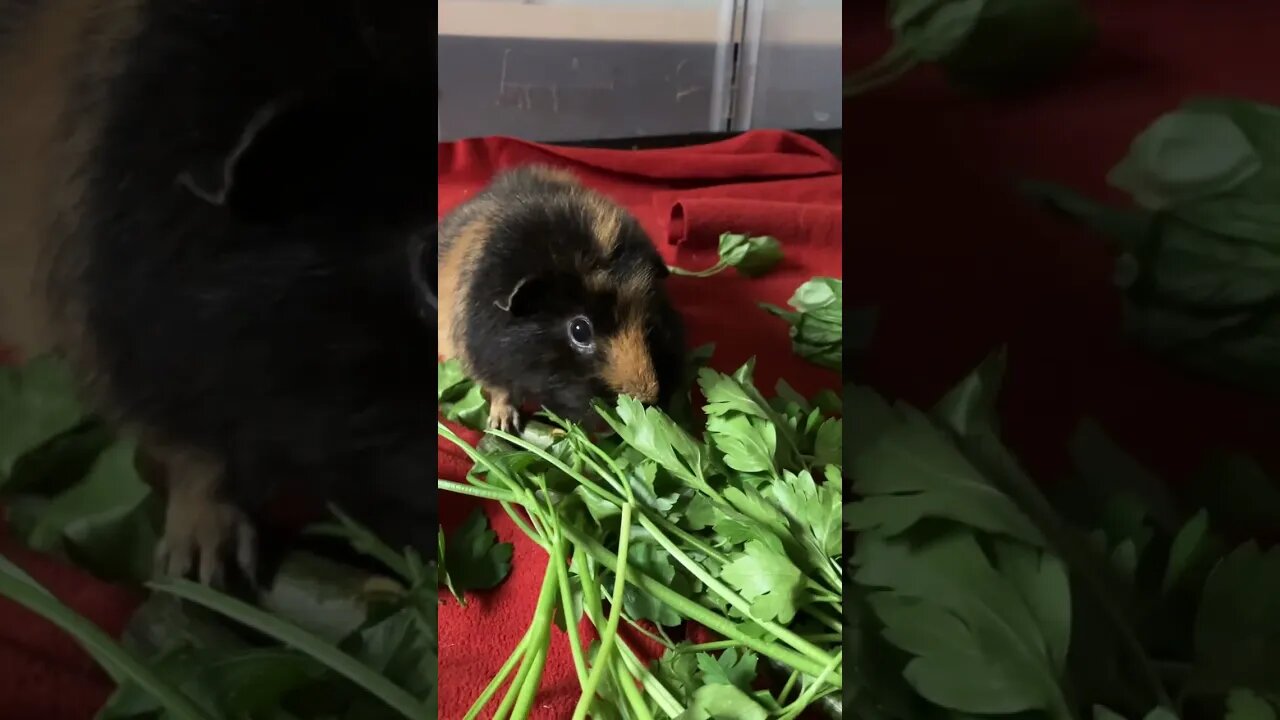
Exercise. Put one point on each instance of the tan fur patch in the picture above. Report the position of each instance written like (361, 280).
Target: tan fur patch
(460, 254)
(628, 368)
(597, 281)
(606, 221)
(53, 80)
(554, 174)
(35, 77)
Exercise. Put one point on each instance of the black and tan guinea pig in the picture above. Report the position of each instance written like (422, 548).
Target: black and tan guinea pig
(220, 211)
(552, 295)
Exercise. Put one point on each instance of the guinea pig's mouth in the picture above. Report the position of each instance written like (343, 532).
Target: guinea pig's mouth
(585, 416)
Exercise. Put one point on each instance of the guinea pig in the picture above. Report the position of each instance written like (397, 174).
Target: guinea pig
(218, 209)
(551, 294)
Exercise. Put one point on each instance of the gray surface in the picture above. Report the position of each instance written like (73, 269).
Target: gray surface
(573, 90)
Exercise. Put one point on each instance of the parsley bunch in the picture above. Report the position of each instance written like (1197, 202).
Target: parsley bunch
(738, 530)
(975, 594)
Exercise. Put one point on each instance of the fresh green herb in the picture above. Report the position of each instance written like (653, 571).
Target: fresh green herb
(751, 255)
(39, 407)
(738, 530)
(988, 45)
(460, 400)
(1249, 705)
(817, 332)
(474, 559)
(1003, 606)
(1198, 258)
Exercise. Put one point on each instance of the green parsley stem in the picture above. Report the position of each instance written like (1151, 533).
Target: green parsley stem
(812, 692)
(560, 465)
(487, 492)
(732, 597)
(610, 634)
(629, 690)
(528, 688)
(719, 267)
(591, 605)
(509, 699)
(530, 683)
(696, 612)
(616, 478)
(710, 646)
(821, 615)
(524, 526)
(566, 605)
(792, 679)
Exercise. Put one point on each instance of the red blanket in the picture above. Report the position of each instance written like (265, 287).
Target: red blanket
(956, 262)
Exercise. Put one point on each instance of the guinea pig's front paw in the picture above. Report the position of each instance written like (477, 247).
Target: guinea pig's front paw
(202, 537)
(503, 414)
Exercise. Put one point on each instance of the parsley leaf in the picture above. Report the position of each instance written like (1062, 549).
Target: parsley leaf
(459, 398)
(907, 470)
(1237, 628)
(768, 579)
(474, 559)
(751, 255)
(817, 330)
(1244, 704)
(984, 639)
(729, 668)
(724, 702)
(38, 403)
(813, 508)
(656, 436)
(748, 445)
(648, 557)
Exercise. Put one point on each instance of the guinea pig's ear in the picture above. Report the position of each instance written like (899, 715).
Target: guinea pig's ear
(523, 298)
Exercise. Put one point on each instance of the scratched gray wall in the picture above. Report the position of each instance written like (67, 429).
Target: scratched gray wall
(572, 90)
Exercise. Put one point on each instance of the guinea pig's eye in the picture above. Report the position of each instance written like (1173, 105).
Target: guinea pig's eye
(580, 332)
